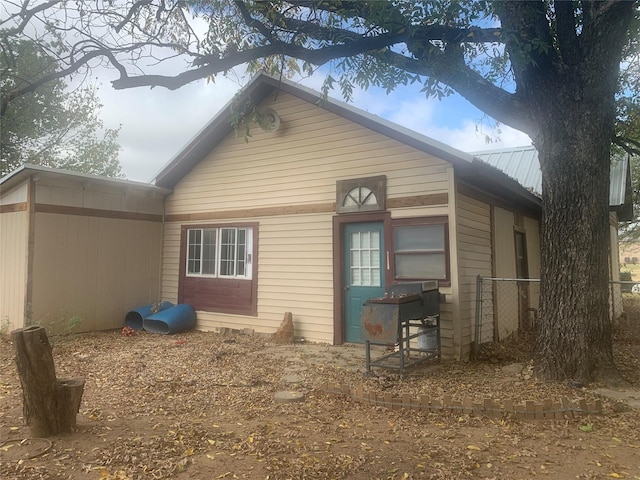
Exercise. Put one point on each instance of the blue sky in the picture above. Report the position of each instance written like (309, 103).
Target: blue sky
(157, 123)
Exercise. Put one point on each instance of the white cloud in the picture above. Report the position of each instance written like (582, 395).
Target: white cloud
(157, 123)
(471, 136)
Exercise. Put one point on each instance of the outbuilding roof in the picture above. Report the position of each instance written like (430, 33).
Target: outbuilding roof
(20, 174)
(522, 164)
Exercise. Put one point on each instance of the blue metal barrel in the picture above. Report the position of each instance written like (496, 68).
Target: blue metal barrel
(135, 318)
(172, 320)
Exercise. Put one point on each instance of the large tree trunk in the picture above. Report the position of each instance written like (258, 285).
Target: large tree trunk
(576, 120)
(574, 330)
(570, 95)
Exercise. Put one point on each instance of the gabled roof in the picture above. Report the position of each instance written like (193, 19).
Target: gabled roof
(521, 164)
(468, 168)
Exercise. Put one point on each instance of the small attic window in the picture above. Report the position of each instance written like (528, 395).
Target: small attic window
(361, 194)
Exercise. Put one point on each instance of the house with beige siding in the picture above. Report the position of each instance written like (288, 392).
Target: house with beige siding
(326, 208)
(318, 208)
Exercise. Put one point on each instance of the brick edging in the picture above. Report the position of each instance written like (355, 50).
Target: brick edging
(528, 409)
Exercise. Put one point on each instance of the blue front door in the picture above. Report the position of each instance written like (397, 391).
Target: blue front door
(364, 272)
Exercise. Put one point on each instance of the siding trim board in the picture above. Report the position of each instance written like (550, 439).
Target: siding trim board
(96, 212)
(14, 207)
(398, 202)
(31, 245)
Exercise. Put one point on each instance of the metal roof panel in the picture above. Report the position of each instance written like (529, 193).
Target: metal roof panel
(521, 164)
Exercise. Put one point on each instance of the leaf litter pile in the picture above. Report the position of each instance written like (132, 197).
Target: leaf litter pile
(201, 406)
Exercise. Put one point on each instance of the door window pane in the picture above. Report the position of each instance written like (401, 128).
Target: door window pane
(365, 259)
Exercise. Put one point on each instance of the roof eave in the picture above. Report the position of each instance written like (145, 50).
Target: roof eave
(26, 171)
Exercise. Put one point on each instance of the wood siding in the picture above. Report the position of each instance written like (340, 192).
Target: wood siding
(92, 270)
(505, 295)
(286, 181)
(14, 236)
(474, 258)
(15, 195)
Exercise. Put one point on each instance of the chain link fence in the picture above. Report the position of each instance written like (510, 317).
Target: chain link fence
(506, 306)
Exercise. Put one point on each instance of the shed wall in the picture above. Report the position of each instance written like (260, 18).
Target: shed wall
(15, 195)
(89, 271)
(14, 236)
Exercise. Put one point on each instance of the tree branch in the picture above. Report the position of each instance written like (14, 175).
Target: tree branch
(566, 31)
(252, 22)
(449, 67)
(26, 16)
(132, 11)
(629, 145)
(529, 43)
(58, 74)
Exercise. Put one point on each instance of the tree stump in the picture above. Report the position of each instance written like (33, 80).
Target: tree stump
(285, 333)
(49, 405)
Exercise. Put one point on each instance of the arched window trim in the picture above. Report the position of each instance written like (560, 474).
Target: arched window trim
(361, 194)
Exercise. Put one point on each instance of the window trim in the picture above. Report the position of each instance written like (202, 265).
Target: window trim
(522, 263)
(219, 251)
(204, 293)
(418, 221)
(377, 187)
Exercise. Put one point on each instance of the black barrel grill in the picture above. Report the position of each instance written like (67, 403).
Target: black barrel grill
(408, 316)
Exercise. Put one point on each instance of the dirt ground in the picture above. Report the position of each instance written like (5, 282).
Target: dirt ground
(201, 406)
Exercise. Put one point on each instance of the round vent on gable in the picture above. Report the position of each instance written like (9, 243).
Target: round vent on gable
(268, 119)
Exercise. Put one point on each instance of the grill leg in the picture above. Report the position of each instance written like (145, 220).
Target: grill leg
(367, 356)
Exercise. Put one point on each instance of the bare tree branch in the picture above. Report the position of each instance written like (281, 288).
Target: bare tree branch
(74, 67)
(629, 145)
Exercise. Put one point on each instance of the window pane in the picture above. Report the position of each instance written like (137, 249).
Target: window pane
(209, 251)
(366, 259)
(366, 276)
(375, 258)
(419, 238)
(355, 277)
(227, 252)
(366, 240)
(194, 251)
(421, 266)
(242, 253)
(521, 255)
(375, 275)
